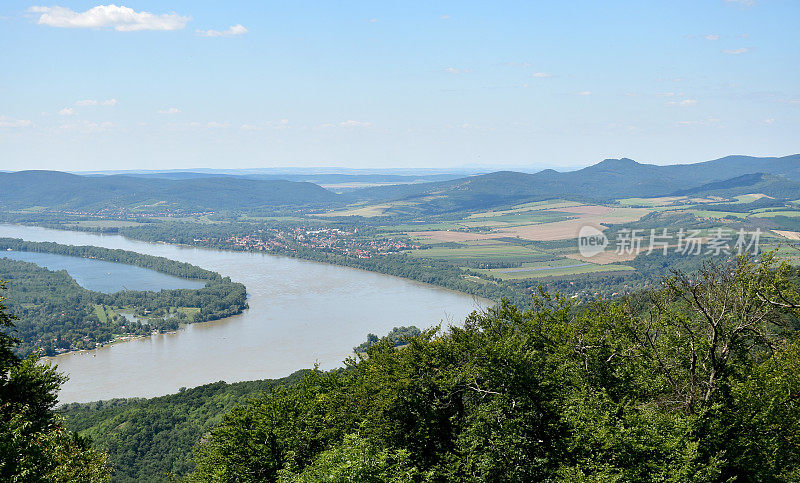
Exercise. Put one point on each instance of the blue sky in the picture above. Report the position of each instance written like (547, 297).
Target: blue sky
(246, 84)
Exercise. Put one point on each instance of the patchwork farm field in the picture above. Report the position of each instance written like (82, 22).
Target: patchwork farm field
(539, 239)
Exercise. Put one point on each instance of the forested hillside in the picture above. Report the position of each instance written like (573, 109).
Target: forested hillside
(149, 439)
(53, 189)
(698, 380)
(34, 445)
(606, 180)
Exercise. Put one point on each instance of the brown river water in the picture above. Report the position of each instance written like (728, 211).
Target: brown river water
(301, 313)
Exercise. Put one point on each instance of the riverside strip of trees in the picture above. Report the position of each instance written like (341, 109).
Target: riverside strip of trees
(697, 380)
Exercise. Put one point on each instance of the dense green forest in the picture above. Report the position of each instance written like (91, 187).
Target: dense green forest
(399, 336)
(149, 439)
(57, 314)
(697, 379)
(34, 444)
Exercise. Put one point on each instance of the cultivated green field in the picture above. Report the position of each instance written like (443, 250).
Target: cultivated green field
(769, 214)
(553, 268)
(496, 251)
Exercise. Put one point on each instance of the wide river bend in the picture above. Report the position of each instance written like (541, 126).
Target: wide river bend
(301, 313)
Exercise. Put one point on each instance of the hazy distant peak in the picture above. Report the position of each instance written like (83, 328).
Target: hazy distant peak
(621, 162)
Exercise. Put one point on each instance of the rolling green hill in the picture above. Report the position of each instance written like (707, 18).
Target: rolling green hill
(53, 189)
(610, 179)
(148, 439)
(776, 186)
(605, 181)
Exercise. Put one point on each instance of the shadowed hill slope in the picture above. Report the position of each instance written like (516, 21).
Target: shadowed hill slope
(27, 189)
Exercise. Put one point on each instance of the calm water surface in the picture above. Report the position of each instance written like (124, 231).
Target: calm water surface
(103, 276)
(301, 313)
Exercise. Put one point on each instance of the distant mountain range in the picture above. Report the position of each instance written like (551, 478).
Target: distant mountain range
(316, 178)
(608, 180)
(430, 193)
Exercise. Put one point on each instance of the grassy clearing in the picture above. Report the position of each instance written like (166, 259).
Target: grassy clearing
(365, 211)
(749, 198)
(442, 225)
(554, 268)
(525, 207)
(718, 214)
(189, 311)
(529, 218)
(769, 214)
(489, 252)
(100, 312)
(650, 202)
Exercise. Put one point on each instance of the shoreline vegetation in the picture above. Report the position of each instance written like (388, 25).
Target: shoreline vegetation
(56, 315)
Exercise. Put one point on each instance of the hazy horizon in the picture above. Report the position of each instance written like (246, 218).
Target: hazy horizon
(333, 169)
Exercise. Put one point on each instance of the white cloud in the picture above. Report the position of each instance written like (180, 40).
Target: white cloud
(519, 64)
(583, 93)
(711, 37)
(123, 19)
(67, 111)
(738, 51)
(541, 75)
(109, 103)
(444, 17)
(372, 20)
(771, 120)
(249, 127)
(232, 31)
(170, 111)
(86, 102)
(453, 70)
(8, 122)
